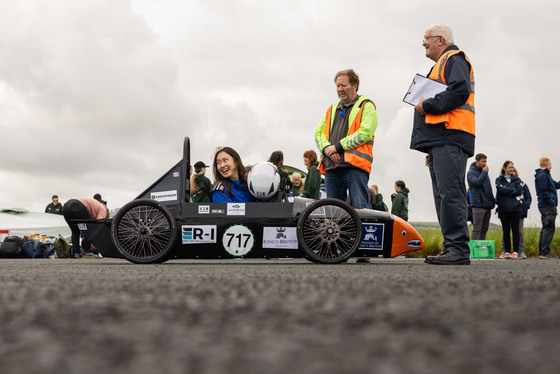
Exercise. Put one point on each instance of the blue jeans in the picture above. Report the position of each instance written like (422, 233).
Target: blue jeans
(339, 181)
(447, 165)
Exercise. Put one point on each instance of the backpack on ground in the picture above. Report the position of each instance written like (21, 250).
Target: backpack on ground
(61, 247)
(37, 249)
(11, 248)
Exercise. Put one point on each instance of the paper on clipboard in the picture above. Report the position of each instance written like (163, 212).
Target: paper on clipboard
(422, 86)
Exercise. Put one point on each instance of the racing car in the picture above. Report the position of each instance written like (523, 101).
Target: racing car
(162, 224)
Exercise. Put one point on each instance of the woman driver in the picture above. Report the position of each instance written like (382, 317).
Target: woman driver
(230, 178)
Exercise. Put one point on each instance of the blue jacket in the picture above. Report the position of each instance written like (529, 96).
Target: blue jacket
(239, 193)
(480, 188)
(546, 188)
(425, 136)
(509, 194)
(527, 200)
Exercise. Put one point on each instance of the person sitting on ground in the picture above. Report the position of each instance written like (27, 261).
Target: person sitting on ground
(312, 188)
(55, 207)
(203, 184)
(230, 178)
(297, 184)
(82, 208)
(399, 200)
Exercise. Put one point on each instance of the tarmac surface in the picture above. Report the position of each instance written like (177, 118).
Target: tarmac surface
(279, 316)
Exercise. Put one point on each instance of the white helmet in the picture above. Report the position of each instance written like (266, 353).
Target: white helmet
(263, 181)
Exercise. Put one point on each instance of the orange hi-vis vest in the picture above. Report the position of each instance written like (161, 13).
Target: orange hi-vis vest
(360, 156)
(461, 118)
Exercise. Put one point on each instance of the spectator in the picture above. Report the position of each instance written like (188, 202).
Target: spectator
(297, 184)
(82, 208)
(379, 204)
(203, 184)
(547, 198)
(399, 200)
(54, 207)
(230, 178)
(345, 139)
(525, 205)
(100, 199)
(481, 196)
(277, 159)
(509, 191)
(312, 188)
(444, 128)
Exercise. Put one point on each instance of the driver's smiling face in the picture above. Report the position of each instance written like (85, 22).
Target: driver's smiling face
(226, 166)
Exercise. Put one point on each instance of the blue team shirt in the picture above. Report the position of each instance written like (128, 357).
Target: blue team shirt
(239, 193)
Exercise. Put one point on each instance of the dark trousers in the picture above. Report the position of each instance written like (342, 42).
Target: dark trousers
(548, 220)
(510, 222)
(447, 165)
(481, 221)
(74, 209)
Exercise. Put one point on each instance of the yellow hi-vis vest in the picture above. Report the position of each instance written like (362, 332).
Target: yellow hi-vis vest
(461, 118)
(361, 156)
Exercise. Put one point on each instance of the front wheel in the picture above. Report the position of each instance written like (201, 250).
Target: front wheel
(329, 231)
(144, 231)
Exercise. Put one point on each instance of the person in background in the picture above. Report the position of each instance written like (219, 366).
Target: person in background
(344, 138)
(399, 200)
(509, 191)
(312, 188)
(277, 159)
(54, 207)
(230, 178)
(203, 184)
(481, 196)
(297, 184)
(547, 198)
(100, 199)
(82, 208)
(525, 205)
(379, 204)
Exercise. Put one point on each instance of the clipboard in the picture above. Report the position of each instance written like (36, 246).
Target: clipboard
(422, 86)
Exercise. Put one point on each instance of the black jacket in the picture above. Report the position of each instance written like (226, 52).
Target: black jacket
(509, 194)
(480, 188)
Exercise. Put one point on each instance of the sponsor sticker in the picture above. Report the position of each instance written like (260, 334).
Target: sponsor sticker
(372, 236)
(164, 195)
(280, 237)
(198, 234)
(82, 226)
(238, 240)
(204, 209)
(235, 209)
(218, 211)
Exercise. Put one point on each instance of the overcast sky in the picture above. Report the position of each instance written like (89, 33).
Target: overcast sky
(96, 96)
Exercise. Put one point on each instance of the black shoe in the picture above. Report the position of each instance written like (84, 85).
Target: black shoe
(450, 258)
(429, 259)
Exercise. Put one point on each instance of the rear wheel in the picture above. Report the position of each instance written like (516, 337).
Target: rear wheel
(144, 231)
(329, 231)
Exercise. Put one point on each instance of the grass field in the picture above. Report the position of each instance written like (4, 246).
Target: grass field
(433, 241)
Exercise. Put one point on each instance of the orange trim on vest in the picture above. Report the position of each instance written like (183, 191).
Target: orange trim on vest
(353, 156)
(461, 118)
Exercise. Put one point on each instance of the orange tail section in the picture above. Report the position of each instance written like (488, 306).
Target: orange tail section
(405, 238)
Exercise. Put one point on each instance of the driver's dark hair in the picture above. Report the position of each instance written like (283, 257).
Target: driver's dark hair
(238, 163)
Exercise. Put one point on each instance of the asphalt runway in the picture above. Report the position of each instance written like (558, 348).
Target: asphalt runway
(279, 316)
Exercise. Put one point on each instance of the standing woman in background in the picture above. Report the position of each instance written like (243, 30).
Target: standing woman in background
(277, 159)
(400, 200)
(312, 187)
(508, 198)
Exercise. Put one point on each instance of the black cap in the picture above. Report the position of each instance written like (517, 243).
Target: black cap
(200, 165)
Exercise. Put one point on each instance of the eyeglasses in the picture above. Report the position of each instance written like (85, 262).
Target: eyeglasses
(428, 37)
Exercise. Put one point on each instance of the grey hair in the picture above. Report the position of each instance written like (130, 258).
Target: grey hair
(296, 174)
(444, 31)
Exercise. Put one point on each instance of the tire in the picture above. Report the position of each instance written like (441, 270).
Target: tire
(144, 231)
(329, 231)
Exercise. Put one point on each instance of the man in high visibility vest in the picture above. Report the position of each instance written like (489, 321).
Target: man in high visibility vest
(344, 138)
(444, 128)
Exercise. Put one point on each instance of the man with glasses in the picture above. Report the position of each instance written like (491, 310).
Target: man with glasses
(444, 128)
(344, 138)
(55, 207)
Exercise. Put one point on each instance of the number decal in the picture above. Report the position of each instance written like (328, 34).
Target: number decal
(238, 240)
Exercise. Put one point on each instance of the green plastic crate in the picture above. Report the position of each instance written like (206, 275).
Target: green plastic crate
(482, 249)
